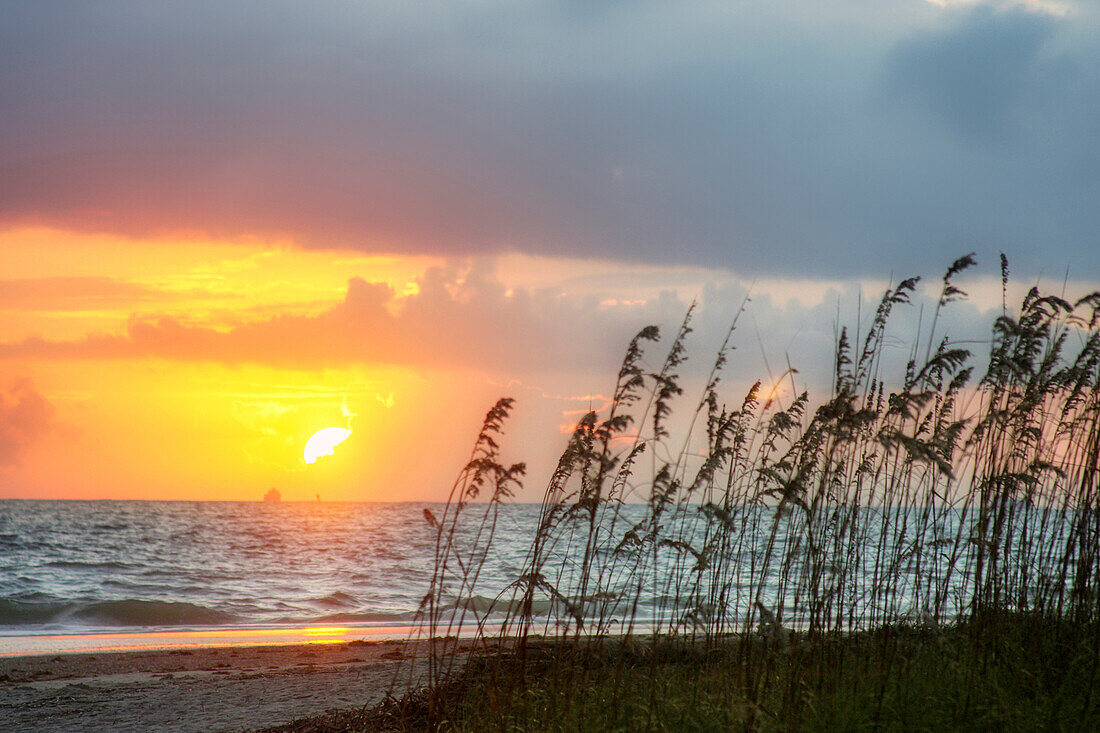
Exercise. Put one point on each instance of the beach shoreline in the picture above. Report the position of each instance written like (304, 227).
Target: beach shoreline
(25, 645)
(239, 687)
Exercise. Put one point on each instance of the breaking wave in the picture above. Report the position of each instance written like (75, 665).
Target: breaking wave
(129, 612)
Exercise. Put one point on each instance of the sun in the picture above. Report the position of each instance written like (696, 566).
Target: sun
(323, 442)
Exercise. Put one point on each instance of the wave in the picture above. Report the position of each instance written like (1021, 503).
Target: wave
(483, 605)
(153, 613)
(337, 600)
(81, 565)
(364, 618)
(128, 612)
(110, 526)
(18, 613)
(589, 605)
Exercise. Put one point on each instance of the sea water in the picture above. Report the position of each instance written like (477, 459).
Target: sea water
(87, 566)
(99, 567)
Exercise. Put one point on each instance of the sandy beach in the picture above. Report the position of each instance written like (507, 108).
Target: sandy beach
(194, 689)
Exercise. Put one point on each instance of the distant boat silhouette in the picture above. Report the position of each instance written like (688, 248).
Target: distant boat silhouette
(273, 495)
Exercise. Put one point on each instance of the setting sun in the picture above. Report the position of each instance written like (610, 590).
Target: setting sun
(323, 442)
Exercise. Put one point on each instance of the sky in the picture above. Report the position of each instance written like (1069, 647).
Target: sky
(226, 225)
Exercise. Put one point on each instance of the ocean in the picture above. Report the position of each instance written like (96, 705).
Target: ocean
(104, 566)
(109, 567)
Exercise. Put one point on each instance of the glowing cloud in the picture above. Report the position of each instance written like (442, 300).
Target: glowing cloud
(323, 443)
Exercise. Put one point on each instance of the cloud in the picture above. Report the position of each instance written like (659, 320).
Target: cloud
(75, 293)
(463, 317)
(752, 137)
(975, 73)
(25, 417)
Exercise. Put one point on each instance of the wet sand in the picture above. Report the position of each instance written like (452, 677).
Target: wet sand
(237, 688)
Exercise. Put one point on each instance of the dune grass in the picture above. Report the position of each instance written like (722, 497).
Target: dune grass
(1012, 673)
(916, 550)
(1037, 678)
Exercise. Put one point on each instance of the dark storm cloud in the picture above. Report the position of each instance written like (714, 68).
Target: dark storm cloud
(782, 140)
(977, 74)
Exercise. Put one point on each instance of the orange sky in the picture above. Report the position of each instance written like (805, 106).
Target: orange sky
(178, 368)
(192, 369)
(141, 426)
